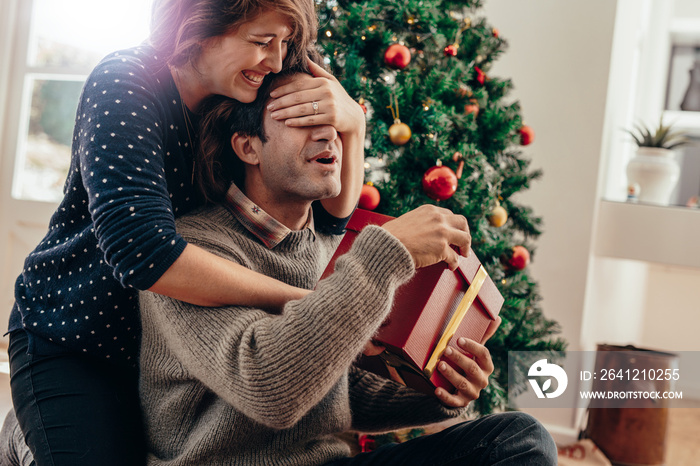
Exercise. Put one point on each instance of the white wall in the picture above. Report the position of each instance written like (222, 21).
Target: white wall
(672, 304)
(670, 301)
(578, 100)
(672, 310)
(559, 58)
(687, 8)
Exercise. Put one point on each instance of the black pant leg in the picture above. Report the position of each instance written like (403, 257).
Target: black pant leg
(506, 439)
(75, 410)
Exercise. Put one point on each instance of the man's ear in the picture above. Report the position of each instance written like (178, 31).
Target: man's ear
(246, 148)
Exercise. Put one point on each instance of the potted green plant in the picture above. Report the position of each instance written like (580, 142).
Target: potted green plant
(654, 169)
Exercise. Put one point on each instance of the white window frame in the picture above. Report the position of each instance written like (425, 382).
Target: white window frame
(23, 75)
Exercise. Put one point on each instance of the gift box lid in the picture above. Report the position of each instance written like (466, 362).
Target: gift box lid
(489, 296)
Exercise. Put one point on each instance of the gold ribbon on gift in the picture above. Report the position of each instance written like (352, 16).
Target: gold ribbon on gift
(459, 314)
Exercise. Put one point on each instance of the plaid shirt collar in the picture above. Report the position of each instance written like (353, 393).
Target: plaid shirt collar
(257, 221)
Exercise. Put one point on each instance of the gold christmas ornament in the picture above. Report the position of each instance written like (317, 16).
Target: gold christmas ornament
(399, 133)
(498, 216)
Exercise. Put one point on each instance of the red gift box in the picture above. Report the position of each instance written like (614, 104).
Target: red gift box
(434, 309)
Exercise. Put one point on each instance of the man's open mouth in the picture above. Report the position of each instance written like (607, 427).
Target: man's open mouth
(325, 157)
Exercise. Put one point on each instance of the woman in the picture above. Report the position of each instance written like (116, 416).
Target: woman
(74, 329)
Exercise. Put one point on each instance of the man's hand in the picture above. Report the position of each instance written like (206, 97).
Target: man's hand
(475, 372)
(428, 233)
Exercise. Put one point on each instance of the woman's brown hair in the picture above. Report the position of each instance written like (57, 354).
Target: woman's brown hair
(179, 28)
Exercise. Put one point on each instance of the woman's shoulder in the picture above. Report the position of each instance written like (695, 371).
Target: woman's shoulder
(136, 64)
(142, 56)
(129, 81)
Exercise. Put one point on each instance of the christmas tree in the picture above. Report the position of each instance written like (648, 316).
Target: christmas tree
(440, 130)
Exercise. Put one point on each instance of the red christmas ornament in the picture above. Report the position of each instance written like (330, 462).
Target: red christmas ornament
(397, 56)
(527, 135)
(495, 32)
(439, 183)
(472, 107)
(369, 197)
(480, 75)
(451, 50)
(520, 258)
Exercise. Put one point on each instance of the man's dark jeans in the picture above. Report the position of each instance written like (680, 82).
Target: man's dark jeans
(507, 439)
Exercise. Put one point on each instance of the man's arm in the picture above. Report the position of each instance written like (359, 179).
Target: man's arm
(379, 404)
(275, 367)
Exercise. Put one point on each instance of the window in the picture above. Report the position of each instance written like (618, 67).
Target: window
(65, 40)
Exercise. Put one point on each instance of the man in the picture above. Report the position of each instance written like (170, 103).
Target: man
(238, 385)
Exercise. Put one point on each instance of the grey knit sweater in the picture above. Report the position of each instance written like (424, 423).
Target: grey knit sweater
(237, 385)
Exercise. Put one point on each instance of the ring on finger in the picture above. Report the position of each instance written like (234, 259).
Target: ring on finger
(314, 105)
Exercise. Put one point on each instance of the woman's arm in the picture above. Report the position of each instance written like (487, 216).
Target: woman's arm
(205, 279)
(336, 108)
(124, 129)
(351, 175)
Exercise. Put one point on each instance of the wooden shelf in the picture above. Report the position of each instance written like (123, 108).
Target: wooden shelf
(650, 233)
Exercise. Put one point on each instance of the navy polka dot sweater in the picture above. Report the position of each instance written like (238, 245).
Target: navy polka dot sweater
(114, 232)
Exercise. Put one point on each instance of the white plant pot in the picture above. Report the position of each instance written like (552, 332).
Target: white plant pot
(656, 171)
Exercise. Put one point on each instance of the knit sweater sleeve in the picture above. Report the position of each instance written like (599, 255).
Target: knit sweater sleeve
(275, 367)
(120, 144)
(379, 404)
